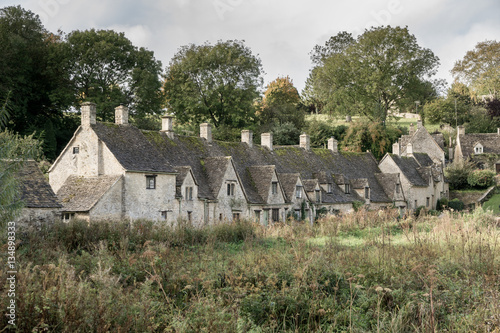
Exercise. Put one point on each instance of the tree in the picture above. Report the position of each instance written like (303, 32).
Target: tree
(107, 69)
(281, 104)
(383, 68)
(31, 71)
(217, 83)
(480, 68)
(446, 110)
(14, 150)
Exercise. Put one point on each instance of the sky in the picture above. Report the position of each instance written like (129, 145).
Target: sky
(281, 33)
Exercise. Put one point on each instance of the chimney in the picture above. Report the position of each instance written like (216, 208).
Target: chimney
(305, 142)
(166, 125)
(409, 149)
(266, 140)
(412, 129)
(247, 137)
(419, 124)
(88, 114)
(206, 132)
(333, 145)
(121, 115)
(498, 131)
(451, 152)
(461, 130)
(396, 148)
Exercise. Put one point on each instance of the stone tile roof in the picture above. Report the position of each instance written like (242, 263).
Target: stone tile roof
(409, 167)
(423, 159)
(289, 181)
(310, 164)
(262, 176)
(439, 138)
(489, 141)
(215, 169)
(80, 194)
(389, 182)
(131, 148)
(35, 190)
(182, 171)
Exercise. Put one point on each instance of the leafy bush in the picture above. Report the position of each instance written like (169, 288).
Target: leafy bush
(456, 204)
(420, 210)
(442, 204)
(481, 178)
(457, 174)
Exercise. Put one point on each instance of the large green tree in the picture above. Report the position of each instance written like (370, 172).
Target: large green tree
(381, 69)
(217, 83)
(107, 69)
(480, 68)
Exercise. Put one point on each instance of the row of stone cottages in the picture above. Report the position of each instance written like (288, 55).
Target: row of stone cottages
(116, 171)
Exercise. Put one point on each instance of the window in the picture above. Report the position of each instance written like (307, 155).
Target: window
(150, 182)
(236, 216)
(76, 150)
(230, 189)
(416, 204)
(347, 189)
(367, 193)
(478, 149)
(220, 217)
(427, 201)
(276, 214)
(164, 215)
(257, 215)
(68, 216)
(274, 188)
(330, 188)
(398, 188)
(189, 193)
(318, 196)
(190, 216)
(298, 191)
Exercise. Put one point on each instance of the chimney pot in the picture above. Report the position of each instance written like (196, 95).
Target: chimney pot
(247, 137)
(333, 145)
(305, 142)
(206, 132)
(266, 140)
(88, 111)
(121, 115)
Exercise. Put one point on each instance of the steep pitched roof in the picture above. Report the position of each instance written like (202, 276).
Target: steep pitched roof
(80, 194)
(35, 190)
(490, 142)
(131, 148)
(288, 181)
(182, 173)
(423, 159)
(389, 182)
(262, 176)
(409, 167)
(215, 169)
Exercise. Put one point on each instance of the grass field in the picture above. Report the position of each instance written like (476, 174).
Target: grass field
(363, 272)
(493, 204)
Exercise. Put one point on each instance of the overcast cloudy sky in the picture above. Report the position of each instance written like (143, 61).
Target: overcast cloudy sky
(281, 33)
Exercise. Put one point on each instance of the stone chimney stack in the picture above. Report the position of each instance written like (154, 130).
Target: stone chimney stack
(419, 124)
(206, 132)
(166, 125)
(396, 148)
(461, 130)
(412, 129)
(121, 115)
(498, 131)
(333, 145)
(305, 142)
(409, 149)
(266, 140)
(247, 137)
(88, 114)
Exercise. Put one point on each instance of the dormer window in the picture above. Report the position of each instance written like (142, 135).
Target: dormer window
(318, 196)
(189, 193)
(76, 150)
(478, 148)
(230, 189)
(298, 191)
(329, 188)
(274, 188)
(151, 182)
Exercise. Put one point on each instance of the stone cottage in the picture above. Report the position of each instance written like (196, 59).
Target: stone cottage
(481, 148)
(116, 171)
(41, 205)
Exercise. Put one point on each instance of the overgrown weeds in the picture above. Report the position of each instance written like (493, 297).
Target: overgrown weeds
(423, 274)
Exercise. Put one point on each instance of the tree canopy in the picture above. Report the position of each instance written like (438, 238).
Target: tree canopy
(217, 83)
(383, 68)
(480, 68)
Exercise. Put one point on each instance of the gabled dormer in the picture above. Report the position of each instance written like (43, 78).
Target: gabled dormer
(266, 182)
(478, 148)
